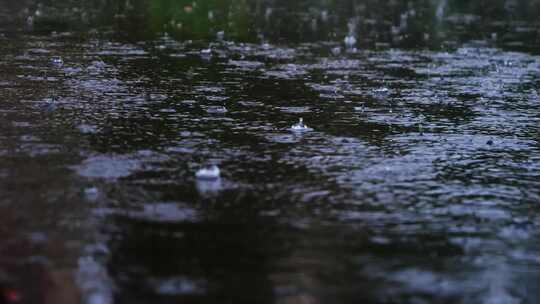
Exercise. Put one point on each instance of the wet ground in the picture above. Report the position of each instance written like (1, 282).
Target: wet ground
(418, 183)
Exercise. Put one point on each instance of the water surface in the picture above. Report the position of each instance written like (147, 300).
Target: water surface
(418, 183)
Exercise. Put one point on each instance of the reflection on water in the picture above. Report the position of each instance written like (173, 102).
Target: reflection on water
(417, 183)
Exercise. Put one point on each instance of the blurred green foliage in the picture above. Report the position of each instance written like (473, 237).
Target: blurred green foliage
(200, 19)
(414, 23)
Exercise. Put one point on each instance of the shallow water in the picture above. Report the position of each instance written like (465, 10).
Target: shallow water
(418, 183)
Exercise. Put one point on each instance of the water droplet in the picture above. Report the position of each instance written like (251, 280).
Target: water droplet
(350, 41)
(30, 21)
(220, 35)
(324, 15)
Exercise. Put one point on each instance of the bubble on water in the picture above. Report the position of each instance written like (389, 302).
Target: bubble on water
(336, 51)
(206, 53)
(216, 110)
(208, 173)
(300, 126)
(381, 92)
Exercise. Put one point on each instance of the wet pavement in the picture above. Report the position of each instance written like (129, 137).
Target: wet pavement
(415, 180)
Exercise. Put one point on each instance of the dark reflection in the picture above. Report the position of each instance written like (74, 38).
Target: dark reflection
(237, 254)
(194, 262)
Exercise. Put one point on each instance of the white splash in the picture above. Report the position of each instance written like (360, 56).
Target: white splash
(350, 41)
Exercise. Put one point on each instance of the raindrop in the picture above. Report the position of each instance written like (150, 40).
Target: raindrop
(220, 35)
(268, 13)
(441, 7)
(314, 24)
(324, 15)
(350, 41)
(30, 21)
